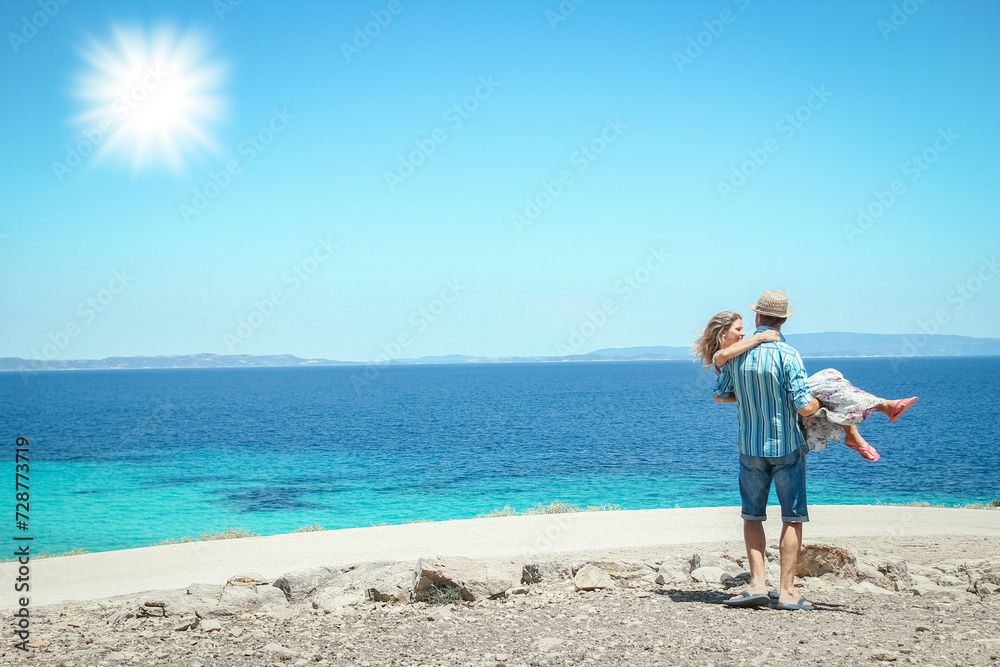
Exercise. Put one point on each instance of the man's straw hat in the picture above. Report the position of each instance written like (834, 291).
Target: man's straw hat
(774, 303)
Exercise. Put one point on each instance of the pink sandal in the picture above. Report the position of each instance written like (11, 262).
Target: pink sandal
(866, 449)
(901, 407)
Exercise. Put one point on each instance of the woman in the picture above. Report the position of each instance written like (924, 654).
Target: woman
(844, 406)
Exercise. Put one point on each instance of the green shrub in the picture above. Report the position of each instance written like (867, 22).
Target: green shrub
(555, 507)
(71, 552)
(443, 594)
(309, 529)
(228, 534)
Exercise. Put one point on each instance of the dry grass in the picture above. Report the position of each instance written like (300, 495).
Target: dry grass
(556, 507)
(972, 506)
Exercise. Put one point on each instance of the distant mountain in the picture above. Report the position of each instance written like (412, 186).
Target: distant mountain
(172, 361)
(842, 344)
(830, 344)
(642, 352)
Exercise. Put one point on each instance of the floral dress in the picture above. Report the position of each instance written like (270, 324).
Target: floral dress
(841, 404)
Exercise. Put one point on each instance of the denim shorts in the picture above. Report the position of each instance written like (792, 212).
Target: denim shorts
(789, 475)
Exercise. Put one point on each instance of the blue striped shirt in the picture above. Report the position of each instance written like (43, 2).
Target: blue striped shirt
(769, 382)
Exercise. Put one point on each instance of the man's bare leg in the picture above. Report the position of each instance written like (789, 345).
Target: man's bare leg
(753, 535)
(791, 541)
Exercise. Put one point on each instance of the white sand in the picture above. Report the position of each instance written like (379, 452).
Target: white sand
(100, 575)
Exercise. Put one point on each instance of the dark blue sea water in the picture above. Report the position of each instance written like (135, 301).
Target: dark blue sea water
(127, 458)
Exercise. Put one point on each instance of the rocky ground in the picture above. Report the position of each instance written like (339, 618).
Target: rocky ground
(930, 601)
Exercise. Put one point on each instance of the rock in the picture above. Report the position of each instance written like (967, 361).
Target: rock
(722, 561)
(626, 571)
(476, 580)
(239, 597)
(252, 579)
(375, 582)
(197, 598)
(176, 604)
(120, 616)
(921, 570)
(590, 577)
(674, 570)
(275, 651)
(815, 560)
(545, 644)
(732, 582)
(186, 624)
(868, 571)
(619, 570)
(300, 584)
(534, 573)
(882, 570)
(868, 587)
(336, 597)
(885, 656)
(156, 608)
(708, 574)
(211, 625)
(387, 582)
(930, 589)
(980, 588)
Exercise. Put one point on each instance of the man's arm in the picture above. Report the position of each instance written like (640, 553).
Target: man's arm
(731, 398)
(797, 386)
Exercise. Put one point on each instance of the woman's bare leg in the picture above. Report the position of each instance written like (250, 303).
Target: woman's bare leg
(894, 409)
(853, 439)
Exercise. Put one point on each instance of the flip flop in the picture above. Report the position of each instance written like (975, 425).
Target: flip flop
(867, 449)
(747, 599)
(801, 604)
(901, 407)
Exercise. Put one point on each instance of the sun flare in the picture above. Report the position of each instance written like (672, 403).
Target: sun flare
(150, 99)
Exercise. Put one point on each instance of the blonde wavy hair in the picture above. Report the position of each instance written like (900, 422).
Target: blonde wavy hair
(710, 338)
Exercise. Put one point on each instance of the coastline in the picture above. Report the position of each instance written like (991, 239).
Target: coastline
(914, 585)
(105, 574)
(93, 364)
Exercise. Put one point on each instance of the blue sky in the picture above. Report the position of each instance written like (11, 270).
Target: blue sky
(607, 180)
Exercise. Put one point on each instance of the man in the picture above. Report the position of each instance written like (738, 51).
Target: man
(768, 383)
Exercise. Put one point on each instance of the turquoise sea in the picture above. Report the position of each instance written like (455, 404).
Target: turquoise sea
(126, 458)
